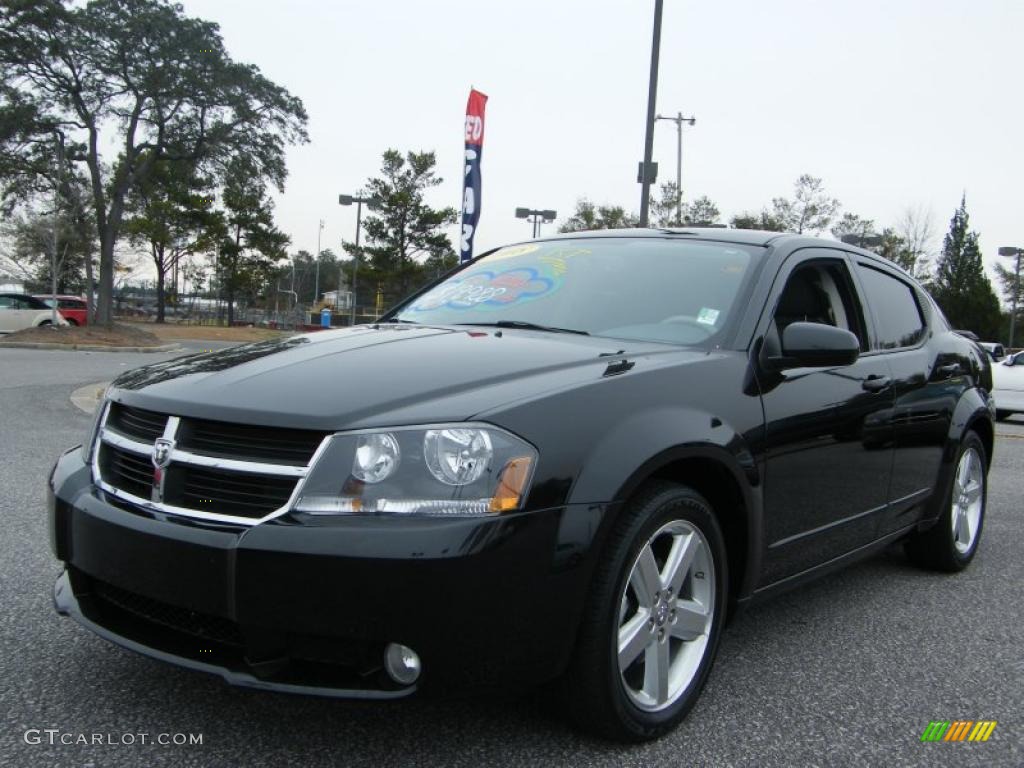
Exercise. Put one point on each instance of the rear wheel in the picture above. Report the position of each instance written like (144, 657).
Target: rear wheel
(72, 321)
(952, 542)
(654, 617)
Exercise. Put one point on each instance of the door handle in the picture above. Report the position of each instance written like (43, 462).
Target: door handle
(948, 371)
(876, 382)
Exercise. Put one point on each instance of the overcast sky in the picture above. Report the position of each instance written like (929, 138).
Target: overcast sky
(893, 104)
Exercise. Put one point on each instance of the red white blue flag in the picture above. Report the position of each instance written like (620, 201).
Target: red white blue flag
(471, 172)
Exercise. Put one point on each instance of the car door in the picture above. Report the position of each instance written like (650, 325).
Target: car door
(928, 380)
(9, 314)
(828, 430)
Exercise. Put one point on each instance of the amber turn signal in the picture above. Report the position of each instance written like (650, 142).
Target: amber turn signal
(511, 484)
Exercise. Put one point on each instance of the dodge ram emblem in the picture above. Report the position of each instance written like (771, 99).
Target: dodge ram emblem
(162, 448)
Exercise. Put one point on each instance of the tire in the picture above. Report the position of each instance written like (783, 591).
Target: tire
(949, 545)
(44, 324)
(666, 521)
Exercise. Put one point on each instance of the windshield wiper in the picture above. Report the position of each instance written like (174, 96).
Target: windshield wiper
(529, 326)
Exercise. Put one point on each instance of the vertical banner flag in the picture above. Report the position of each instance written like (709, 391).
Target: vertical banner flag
(471, 175)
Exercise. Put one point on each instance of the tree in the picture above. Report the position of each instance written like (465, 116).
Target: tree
(402, 230)
(250, 244)
(665, 210)
(852, 224)
(917, 231)
(589, 216)
(765, 220)
(1011, 284)
(171, 213)
(29, 232)
(960, 285)
(702, 212)
(138, 75)
(810, 210)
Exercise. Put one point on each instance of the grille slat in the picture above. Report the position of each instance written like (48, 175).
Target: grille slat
(136, 423)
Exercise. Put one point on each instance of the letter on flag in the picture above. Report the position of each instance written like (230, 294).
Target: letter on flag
(471, 172)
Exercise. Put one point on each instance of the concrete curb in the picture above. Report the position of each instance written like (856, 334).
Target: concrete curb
(86, 347)
(87, 398)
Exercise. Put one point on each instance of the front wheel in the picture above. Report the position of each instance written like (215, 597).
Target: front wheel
(654, 617)
(952, 542)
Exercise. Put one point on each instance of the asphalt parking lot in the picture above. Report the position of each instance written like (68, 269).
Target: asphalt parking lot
(848, 671)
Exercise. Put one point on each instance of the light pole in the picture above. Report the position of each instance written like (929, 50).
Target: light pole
(679, 120)
(59, 136)
(536, 217)
(648, 170)
(316, 284)
(359, 201)
(1013, 252)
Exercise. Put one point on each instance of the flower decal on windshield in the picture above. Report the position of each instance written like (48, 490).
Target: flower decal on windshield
(488, 290)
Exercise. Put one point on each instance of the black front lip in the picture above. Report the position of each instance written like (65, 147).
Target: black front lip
(66, 604)
(489, 602)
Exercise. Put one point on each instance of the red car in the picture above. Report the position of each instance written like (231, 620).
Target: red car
(73, 308)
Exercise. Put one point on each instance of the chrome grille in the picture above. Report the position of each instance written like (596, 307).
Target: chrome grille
(216, 471)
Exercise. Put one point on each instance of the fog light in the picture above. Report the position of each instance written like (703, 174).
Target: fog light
(401, 663)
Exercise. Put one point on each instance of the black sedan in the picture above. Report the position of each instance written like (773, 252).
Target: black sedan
(568, 461)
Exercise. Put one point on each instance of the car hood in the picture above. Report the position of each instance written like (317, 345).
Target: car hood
(375, 375)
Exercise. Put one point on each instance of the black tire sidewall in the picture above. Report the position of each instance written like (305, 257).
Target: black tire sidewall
(670, 503)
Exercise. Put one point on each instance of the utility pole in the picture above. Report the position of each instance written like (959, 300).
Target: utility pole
(648, 171)
(679, 120)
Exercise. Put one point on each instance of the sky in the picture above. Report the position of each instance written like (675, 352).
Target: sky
(893, 104)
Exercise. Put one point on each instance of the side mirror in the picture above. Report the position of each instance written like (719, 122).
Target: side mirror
(814, 345)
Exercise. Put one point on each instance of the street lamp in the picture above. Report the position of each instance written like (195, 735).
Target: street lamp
(1013, 252)
(648, 170)
(679, 120)
(316, 285)
(537, 217)
(358, 201)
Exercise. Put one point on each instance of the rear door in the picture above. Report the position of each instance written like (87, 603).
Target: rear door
(927, 380)
(828, 430)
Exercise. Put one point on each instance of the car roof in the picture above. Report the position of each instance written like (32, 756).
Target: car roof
(736, 236)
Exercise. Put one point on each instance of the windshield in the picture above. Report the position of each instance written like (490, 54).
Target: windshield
(651, 289)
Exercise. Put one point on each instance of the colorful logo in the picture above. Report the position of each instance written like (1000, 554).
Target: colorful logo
(958, 730)
(489, 290)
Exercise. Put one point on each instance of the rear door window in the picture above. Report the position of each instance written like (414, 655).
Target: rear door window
(898, 319)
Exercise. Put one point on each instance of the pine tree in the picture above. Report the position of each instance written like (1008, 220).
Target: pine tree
(960, 285)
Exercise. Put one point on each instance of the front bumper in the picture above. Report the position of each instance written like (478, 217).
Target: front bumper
(309, 608)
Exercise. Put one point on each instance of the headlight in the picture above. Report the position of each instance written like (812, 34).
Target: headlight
(444, 469)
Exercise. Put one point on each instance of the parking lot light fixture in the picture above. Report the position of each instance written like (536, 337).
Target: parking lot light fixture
(537, 217)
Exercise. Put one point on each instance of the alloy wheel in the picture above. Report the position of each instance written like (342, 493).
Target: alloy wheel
(967, 500)
(665, 615)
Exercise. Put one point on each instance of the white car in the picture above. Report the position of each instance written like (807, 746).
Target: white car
(19, 311)
(1008, 385)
